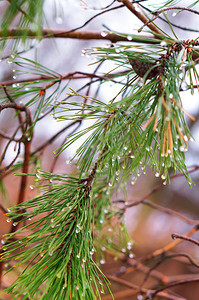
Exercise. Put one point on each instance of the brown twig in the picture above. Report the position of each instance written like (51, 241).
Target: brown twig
(80, 35)
(137, 288)
(171, 212)
(141, 17)
(152, 294)
(185, 238)
(158, 12)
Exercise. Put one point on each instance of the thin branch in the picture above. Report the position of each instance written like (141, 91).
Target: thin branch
(80, 35)
(137, 288)
(152, 294)
(95, 16)
(171, 212)
(159, 186)
(141, 17)
(183, 237)
(158, 12)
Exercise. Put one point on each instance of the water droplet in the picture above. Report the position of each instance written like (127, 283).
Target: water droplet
(125, 148)
(110, 184)
(129, 37)
(50, 253)
(131, 255)
(163, 176)
(9, 61)
(182, 148)
(27, 89)
(83, 260)
(14, 77)
(3, 242)
(78, 256)
(132, 156)
(139, 297)
(174, 14)
(101, 221)
(104, 33)
(8, 220)
(164, 182)
(103, 248)
(185, 138)
(123, 250)
(110, 229)
(163, 44)
(105, 211)
(102, 261)
(83, 52)
(29, 219)
(92, 251)
(15, 224)
(14, 85)
(77, 288)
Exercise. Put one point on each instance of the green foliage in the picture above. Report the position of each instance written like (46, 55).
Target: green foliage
(142, 125)
(58, 251)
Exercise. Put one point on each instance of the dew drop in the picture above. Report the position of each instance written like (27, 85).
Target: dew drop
(14, 77)
(123, 250)
(14, 85)
(8, 220)
(2, 242)
(78, 256)
(174, 14)
(9, 61)
(15, 224)
(101, 221)
(102, 261)
(163, 44)
(110, 229)
(110, 184)
(103, 248)
(131, 255)
(129, 37)
(104, 33)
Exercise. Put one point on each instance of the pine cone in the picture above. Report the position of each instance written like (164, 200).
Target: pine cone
(141, 68)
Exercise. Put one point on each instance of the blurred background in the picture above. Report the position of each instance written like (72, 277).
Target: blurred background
(149, 227)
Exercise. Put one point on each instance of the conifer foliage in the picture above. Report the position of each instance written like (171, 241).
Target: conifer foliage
(56, 239)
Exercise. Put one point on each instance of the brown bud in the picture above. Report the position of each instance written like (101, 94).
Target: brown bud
(141, 68)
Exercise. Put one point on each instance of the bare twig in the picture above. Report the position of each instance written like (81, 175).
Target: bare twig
(185, 238)
(158, 12)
